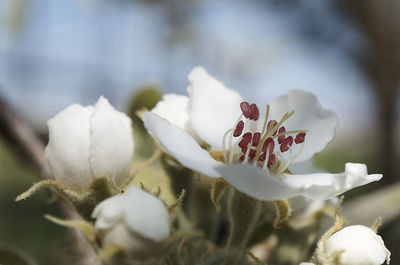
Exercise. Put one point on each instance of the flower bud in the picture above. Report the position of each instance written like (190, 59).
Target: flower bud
(136, 222)
(89, 142)
(357, 245)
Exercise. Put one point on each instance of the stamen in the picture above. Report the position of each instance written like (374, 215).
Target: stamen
(263, 158)
(265, 166)
(224, 151)
(256, 138)
(284, 166)
(300, 138)
(271, 160)
(252, 154)
(286, 144)
(265, 121)
(258, 147)
(298, 152)
(254, 112)
(230, 153)
(282, 132)
(268, 144)
(271, 124)
(290, 132)
(270, 132)
(246, 157)
(245, 107)
(239, 129)
(246, 138)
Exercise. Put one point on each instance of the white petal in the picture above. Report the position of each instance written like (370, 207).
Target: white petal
(357, 175)
(326, 185)
(109, 212)
(256, 182)
(173, 108)
(360, 244)
(213, 108)
(146, 215)
(305, 167)
(68, 149)
(120, 235)
(309, 115)
(111, 141)
(180, 145)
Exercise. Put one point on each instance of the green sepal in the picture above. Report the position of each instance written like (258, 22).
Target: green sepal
(217, 191)
(84, 203)
(167, 249)
(172, 209)
(320, 257)
(85, 227)
(283, 211)
(376, 225)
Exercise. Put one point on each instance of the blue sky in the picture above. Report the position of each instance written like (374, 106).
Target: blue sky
(71, 51)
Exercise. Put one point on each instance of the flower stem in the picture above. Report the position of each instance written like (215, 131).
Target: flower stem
(244, 213)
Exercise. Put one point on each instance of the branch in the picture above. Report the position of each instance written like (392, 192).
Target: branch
(20, 135)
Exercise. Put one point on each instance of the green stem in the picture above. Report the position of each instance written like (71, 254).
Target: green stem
(244, 213)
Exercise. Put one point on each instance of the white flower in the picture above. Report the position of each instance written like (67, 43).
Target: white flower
(251, 150)
(136, 221)
(359, 245)
(89, 142)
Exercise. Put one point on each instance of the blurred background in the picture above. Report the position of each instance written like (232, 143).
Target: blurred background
(54, 53)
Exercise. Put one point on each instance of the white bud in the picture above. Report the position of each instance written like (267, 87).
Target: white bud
(136, 221)
(89, 142)
(359, 245)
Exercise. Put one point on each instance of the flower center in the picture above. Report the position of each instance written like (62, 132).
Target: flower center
(264, 146)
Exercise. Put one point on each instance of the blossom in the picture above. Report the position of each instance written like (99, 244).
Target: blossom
(135, 221)
(89, 142)
(215, 132)
(357, 245)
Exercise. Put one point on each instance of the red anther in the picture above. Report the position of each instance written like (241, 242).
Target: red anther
(268, 144)
(300, 137)
(254, 112)
(289, 140)
(286, 144)
(239, 129)
(271, 160)
(246, 138)
(244, 149)
(252, 154)
(282, 137)
(245, 107)
(271, 124)
(262, 157)
(256, 138)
